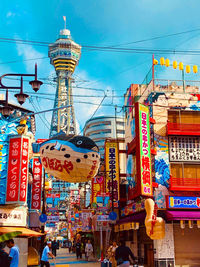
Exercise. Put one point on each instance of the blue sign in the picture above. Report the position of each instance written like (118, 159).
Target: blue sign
(43, 218)
(175, 202)
(112, 216)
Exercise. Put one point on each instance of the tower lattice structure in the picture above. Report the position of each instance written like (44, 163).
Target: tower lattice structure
(64, 56)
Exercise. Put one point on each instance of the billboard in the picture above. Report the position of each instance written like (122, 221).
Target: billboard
(37, 184)
(143, 150)
(176, 202)
(97, 187)
(17, 179)
(112, 170)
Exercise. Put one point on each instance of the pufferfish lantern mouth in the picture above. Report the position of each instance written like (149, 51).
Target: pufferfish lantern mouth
(70, 158)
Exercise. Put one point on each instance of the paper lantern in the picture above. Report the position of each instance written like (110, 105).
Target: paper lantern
(181, 66)
(73, 159)
(155, 226)
(195, 68)
(182, 224)
(167, 62)
(175, 64)
(187, 68)
(162, 61)
(155, 62)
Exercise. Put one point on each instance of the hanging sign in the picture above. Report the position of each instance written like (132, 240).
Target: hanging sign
(37, 184)
(112, 170)
(17, 169)
(143, 147)
(97, 187)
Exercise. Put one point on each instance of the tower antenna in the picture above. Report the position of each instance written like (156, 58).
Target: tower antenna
(64, 18)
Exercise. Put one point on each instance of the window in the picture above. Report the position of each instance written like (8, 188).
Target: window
(187, 117)
(182, 170)
(120, 131)
(121, 123)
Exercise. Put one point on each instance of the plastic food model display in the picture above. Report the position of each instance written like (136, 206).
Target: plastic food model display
(155, 226)
(70, 158)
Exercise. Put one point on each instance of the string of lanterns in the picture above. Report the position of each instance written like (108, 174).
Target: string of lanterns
(166, 63)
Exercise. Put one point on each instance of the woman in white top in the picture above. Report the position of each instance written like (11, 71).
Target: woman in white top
(88, 250)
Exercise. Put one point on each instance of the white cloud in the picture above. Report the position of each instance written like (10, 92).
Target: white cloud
(10, 14)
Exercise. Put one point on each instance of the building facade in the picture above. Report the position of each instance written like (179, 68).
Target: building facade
(104, 127)
(173, 178)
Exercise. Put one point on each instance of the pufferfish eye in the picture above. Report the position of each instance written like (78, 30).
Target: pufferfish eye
(79, 142)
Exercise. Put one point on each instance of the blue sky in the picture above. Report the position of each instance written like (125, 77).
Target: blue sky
(100, 23)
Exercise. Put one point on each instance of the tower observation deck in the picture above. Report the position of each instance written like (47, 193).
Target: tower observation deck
(64, 56)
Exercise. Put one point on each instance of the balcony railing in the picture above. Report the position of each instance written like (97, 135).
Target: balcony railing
(184, 184)
(183, 129)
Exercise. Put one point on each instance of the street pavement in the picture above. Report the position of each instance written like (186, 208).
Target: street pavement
(64, 259)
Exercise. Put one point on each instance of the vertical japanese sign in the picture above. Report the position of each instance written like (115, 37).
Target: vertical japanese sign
(17, 169)
(144, 175)
(37, 184)
(112, 170)
(97, 187)
(12, 191)
(24, 169)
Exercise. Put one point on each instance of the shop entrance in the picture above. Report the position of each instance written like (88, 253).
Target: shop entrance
(145, 248)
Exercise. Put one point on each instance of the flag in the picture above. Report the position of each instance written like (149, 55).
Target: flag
(64, 17)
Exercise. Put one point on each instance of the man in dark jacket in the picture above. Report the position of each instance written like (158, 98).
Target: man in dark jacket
(4, 261)
(123, 254)
(54, 247)
(78, 250)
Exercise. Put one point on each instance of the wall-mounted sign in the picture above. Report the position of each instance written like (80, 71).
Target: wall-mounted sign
(112, 170)
(52, 195)
(37, 184)
(97, 187)
(184, 148)
(52, 218)
(17, 169)
(175, 202)
(132, 208)
(13, 217)
(143, 150)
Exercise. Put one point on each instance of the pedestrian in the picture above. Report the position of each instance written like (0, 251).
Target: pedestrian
(70, 246)
(88, 250)
(111, 253)
(13, 253)
(4, 261)
(123, 254)
(78, 250)
(45, 254)
(54, 247)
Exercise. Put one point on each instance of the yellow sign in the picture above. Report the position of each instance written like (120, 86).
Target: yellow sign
(112, 170)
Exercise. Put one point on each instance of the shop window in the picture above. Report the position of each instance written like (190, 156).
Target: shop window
(181, 170)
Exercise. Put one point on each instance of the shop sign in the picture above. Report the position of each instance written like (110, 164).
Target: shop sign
(53, 225)
(37, 184)
(52, 195)
(97, 187)
(17, 169)
(13, 217)
(75, 197)
(175, 202)
(103, 218)
(143, 158)
(133, 207)
(112, 170)
(184, 148)
(53, 218)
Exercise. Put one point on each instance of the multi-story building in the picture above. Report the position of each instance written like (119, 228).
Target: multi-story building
(104, 127)
(169, 111)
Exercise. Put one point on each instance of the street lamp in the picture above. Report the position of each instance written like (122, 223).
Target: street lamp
(21, 96)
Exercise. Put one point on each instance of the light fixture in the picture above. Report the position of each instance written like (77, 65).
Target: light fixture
(21, 97)
(182, 224)
(35, 85)
(6, 111)
(190, 224)
(198, 224)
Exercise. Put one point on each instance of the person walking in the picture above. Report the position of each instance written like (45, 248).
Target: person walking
(88, 250)
(45, 254)
(3, 256)
(123, 255)
(13, 256)
(54, 247)
(70, 246)
(78, 250)
(111, 253)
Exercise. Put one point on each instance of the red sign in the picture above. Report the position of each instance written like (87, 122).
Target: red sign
(24, 169)
(12, 192)
(39, 141)
(52, 195)
(37, 184)
(97, 187)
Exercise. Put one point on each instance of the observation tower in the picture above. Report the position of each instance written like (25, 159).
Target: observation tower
(64, 56)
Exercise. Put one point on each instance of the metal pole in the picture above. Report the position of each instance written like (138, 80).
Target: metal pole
(43, 212)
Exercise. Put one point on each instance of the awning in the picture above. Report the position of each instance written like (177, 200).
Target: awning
(137, 217)
(25, 231)
(182, 215)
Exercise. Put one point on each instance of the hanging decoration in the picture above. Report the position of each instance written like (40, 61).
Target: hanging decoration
(70, 158)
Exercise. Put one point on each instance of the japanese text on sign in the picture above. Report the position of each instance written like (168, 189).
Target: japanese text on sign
(112, 171)
(183, 202)
(145, 151)
(37, 184)
(24, 169)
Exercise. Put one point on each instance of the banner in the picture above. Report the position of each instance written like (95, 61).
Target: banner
(112, 170)
(143, 150)
(24, 169)
(97, 187)
(37, 184)
(53, 195)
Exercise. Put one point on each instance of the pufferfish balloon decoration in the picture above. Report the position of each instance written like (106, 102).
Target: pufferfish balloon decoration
(70, 158)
